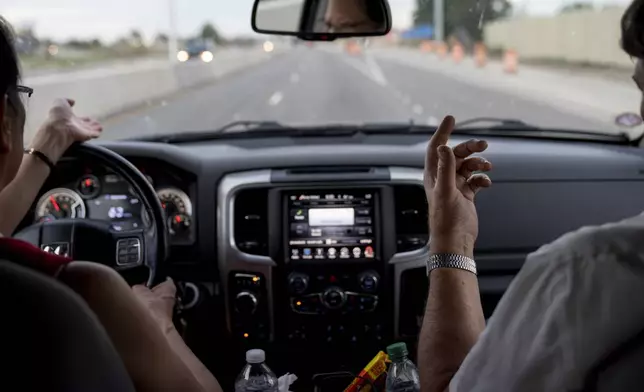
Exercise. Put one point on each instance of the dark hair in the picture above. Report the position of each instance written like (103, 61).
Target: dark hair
(633, 29)
(9, 70)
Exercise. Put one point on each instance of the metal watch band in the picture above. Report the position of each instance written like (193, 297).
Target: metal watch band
(450, 260)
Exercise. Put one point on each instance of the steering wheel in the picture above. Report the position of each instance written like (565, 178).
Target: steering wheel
(96, 240)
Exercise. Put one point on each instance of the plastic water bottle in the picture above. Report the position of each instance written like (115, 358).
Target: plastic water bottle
(403, 374)
(256, 376)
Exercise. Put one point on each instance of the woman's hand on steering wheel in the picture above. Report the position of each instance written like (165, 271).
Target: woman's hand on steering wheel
(63, 128)
(159, 302)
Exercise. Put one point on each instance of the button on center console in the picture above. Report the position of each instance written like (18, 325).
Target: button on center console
(334, 298)
(298, 283)
(369, 281)
(249, 307)
(246, 303)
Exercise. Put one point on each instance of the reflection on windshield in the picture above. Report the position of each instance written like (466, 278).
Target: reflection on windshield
(196, 66)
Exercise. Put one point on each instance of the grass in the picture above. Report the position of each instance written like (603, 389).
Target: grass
(74, 59)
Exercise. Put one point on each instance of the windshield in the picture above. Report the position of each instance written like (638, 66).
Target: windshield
(150, 67)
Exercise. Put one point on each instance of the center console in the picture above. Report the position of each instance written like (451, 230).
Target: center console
(313, 258)
(332, 266)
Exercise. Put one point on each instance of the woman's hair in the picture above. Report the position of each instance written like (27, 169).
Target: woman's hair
(9, 70)
(633, 29)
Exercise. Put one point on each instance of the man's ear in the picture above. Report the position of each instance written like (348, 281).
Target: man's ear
(5, 126)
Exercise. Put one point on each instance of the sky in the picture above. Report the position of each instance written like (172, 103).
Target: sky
(111, 19)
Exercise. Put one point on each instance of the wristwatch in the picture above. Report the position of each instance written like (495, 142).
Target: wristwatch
(44, 158)
(450, 260)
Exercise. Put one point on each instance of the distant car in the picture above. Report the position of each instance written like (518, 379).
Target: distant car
(197, 49)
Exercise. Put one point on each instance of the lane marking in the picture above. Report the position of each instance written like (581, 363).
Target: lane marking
(376, 71)
(295, 77)
(432, 120)
(276, 98)
(417, 109)
(369, 68)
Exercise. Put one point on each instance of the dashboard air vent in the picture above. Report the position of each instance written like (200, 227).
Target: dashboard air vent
(251, 221)
(411, 217)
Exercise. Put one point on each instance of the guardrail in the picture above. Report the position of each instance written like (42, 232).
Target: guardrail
(105, 91)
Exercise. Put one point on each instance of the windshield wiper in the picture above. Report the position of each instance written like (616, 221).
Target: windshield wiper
(506, 127)
(500, 123)
(521, 128)
(272, 129)
(236, 127)
(245, 126)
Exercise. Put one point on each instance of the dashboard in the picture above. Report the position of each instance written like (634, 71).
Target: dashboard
(294, 244)
(81, 190)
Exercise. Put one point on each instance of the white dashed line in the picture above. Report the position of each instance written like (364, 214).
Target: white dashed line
(417, 109)
(369, 68)
(276, 98)
(374, 68)
(295, 77)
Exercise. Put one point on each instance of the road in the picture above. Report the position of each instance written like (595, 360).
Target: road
(316, 86)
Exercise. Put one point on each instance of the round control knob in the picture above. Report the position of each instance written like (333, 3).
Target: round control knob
(298, 283)
(334, 298)
(191, 295)
(369, 281)
(246, 303)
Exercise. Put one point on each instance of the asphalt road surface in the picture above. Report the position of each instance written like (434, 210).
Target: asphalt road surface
(317, 86)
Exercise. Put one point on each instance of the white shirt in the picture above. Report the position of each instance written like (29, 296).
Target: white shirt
(574, 301)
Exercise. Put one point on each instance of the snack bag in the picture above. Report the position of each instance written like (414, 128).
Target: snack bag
(376, 368)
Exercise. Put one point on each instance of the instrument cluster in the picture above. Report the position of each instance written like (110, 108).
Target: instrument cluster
(109, 197)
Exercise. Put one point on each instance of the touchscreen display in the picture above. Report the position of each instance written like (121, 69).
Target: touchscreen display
(331, 225)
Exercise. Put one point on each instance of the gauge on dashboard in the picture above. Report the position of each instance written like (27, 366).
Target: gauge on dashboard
(175, 201)
(89, 186)
(179, 224)
(178, 211)
(60, 203)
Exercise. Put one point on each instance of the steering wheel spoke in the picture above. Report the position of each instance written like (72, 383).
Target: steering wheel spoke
(88, 239)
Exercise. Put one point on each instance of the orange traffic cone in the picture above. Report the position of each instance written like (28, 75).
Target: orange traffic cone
(480, 55)
(511, 61)
(458, 53)
(426, 46)
(441, 50)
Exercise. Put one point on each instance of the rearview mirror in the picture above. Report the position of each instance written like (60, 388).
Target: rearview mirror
(322, 20)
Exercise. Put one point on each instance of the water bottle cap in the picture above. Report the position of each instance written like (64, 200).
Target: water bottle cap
(397, 350)
(255, 356)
